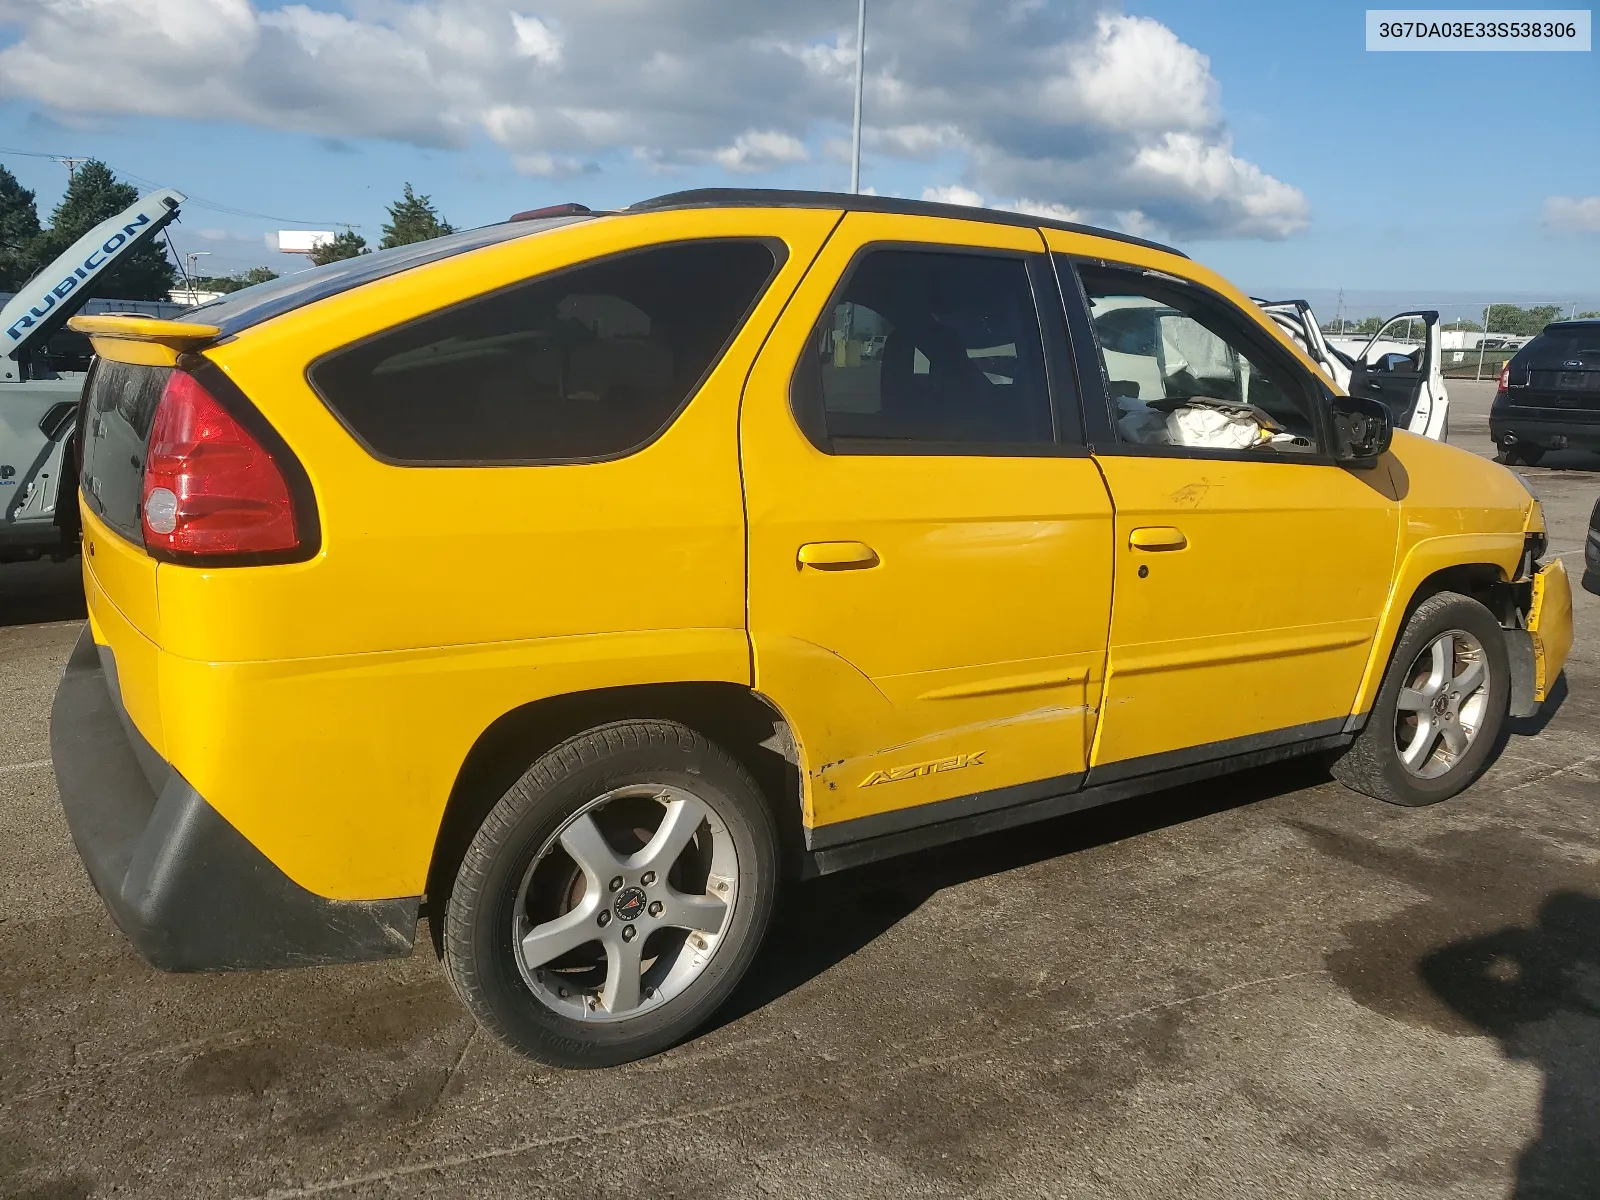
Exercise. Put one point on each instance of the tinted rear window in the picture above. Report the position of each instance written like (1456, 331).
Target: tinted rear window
(119, 408)
(586, 363)
(1582, 342)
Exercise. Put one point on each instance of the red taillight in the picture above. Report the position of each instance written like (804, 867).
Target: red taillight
(1505, 377)
(209, 487)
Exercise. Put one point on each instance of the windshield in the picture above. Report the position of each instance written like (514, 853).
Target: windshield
(252, 305)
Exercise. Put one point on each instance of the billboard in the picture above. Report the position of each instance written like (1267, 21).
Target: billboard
(302, 241)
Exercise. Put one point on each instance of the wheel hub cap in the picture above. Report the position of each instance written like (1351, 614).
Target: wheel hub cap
(630, 903)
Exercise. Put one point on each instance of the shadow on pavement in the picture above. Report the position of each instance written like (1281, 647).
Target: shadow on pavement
(33, 592)
(1568, 460)
(821, 922)
(1537, 992)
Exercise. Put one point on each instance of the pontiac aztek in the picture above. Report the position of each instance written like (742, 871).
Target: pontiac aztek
(571, 580)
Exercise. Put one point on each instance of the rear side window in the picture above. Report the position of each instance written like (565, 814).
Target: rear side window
(925, 349)
(119, 409)
(588, 363)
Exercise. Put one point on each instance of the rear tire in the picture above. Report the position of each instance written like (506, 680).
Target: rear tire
(614, 897)
(1440, 709)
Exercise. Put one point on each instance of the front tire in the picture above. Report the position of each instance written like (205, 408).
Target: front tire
(1440, 710)
(614, 897)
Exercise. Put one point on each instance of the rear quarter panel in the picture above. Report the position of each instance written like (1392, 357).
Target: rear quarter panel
(325, 707)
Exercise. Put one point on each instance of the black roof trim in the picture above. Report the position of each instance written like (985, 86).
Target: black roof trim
(785, 198)
(1579, 323)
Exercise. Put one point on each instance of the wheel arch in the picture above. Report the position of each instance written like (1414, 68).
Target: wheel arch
(740, 720)
(1488, 568)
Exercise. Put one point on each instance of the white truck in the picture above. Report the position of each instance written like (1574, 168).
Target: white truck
(1402, 364)
(39, 396)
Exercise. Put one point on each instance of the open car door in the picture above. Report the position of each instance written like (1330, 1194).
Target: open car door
(1402, 367)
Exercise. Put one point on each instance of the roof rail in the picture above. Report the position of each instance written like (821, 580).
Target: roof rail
(785, 198)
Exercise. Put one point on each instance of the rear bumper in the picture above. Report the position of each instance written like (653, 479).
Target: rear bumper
(1553, 432)
(188, 889)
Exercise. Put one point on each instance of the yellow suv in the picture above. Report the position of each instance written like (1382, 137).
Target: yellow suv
(573, 579)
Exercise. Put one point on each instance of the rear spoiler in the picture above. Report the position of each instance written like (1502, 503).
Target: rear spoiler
(47, 301)
(135, 339)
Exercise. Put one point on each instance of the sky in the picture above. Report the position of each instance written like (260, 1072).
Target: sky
(1262, 139)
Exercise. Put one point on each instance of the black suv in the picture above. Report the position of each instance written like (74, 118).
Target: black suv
(1549, 397)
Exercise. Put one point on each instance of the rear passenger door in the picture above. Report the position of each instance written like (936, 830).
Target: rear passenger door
(1249, 580)
(930, 544)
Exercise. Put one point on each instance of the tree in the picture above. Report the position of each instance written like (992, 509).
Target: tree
(347, 243)
(1587, 316)
(1465, 325)
(234, 283)
(19, 230)
(412, 218)
(1369, 325)
(1514, 319)
(93, 195)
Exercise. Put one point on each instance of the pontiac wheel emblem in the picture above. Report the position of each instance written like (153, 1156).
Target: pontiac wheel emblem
(630, 903)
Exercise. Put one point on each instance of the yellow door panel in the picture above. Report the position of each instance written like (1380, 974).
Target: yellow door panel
(932, 623)
(1247, 597)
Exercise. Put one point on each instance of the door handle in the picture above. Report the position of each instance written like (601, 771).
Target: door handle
(837, 555)
(1157, 537)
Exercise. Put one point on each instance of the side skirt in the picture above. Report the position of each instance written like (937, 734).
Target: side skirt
(831, 848)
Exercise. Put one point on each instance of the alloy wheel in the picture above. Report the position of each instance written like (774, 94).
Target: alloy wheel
(626, 904)
(1440, 710)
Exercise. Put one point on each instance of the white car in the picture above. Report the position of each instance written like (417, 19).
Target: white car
(1402, 364)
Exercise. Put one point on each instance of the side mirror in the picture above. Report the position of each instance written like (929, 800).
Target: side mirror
(1362, 430)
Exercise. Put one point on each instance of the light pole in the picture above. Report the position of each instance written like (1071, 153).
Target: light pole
(861, 67)
(1482, 338)
(194, 291)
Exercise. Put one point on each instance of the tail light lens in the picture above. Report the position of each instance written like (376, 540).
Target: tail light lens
(1505, 377)
(210, 488)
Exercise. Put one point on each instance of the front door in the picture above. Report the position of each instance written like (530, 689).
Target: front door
(1403, 367)
(1249, 579)
(930, 543)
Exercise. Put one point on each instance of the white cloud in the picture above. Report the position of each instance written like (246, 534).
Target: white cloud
(1135, 74)
(536, 40)
(1044, 208)
(761, 150)
(954, 194)
(549, 166)
(1068, 102)
(1573, 215)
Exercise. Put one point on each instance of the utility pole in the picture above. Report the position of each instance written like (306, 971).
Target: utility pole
(71, 164)
(861, 69)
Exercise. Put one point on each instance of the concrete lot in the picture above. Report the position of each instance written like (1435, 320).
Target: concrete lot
(1264, 987)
